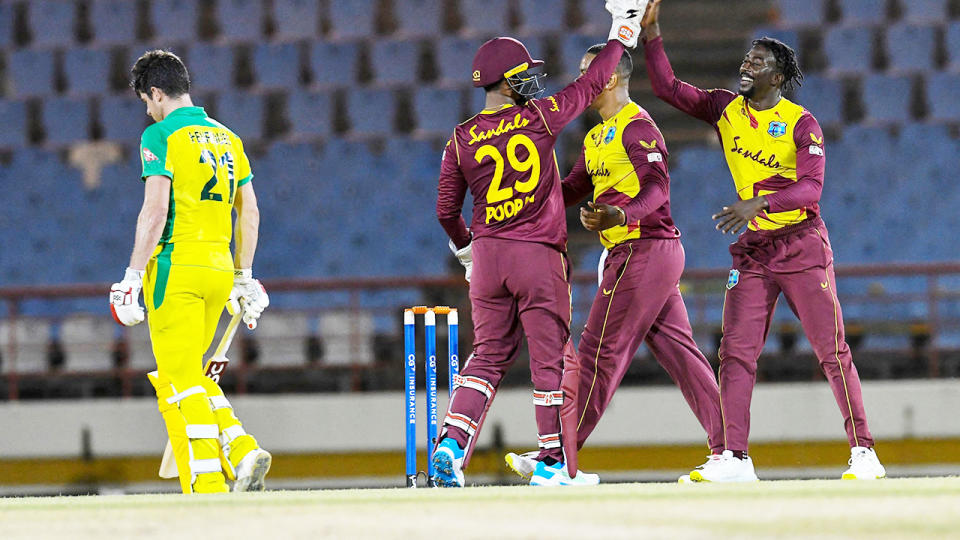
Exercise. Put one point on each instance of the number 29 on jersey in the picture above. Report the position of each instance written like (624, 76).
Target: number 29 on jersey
(504, 202)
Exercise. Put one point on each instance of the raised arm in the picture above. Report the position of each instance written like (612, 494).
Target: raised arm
(577, 184)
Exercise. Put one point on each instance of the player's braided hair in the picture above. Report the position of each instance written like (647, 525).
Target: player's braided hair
(786, 59)
(160, 69)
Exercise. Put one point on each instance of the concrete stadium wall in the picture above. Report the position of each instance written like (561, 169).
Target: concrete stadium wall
(373, 422)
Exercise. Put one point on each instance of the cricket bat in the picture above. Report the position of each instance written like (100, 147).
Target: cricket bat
(214, 369)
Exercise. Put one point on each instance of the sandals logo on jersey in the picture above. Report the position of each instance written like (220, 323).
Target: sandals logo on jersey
(149, 156)
(733, 279)
(777, 129)
(609, 135)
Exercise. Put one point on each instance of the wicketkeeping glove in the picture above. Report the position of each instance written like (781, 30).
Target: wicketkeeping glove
(125, 298)
(247, 295)
(627, 15)
(465, 256)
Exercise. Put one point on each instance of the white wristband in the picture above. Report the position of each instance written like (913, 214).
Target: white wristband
(244, 273)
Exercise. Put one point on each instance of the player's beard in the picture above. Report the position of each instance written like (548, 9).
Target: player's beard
(749, 92)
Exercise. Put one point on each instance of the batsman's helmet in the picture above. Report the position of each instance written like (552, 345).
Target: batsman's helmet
(507, 58)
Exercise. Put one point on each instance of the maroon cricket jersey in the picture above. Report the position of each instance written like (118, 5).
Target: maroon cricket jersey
(506, 158)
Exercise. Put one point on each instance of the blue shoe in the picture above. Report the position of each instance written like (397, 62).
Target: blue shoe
(448, 464)
(556, 475)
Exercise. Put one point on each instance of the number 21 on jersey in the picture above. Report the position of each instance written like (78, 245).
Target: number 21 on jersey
(506, 202)
(226, 160)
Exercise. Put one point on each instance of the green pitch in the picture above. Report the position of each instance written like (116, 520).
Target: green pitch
(893, 508)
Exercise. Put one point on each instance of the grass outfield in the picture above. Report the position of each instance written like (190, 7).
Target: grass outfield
(892, 508)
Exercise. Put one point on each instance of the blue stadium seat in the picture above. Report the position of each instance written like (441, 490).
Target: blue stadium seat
(535, 17)
(371, 111)
(794, 13)
(485, 19)
(296, 19)
(310, 114)
(924, 11)
(849, 50)
(174, 20)
(953, 46)
(942, 96)
(51, 22)
(911, 48)
(277, 65)
(418, 18)
(886, 98)
(862, 12)
(594, 19)
(114, 22)
(123, 118)
(211, 67)
(6, 25)
(437, 110)
(823, 97)
(571, 52)
(240, 20)
(13, 118)
(31, 72)
(87, 70)
(454, 58)
(243, 113)
(66, 120)
(353, 19)
(787, 35)
(395, 62)
(334, 63)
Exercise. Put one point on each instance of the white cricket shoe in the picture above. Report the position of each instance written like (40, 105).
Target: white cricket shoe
(522, 464)
(557, 475)
(864, 465)
(725, 468)
(252, 469)
(685, 479)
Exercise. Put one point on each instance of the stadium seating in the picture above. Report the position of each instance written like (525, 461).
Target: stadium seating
(87, 342)
(823, 97)
(276, 65)
(282, 340)
(849, 49)
(484, 19)
(571, 52)
(953, 46)
(395, 62)
(334, 63)
(942, 96)
(211, 67)
(910, 48)
(123, 118)
(51, 22)
(371, 111)
(113, 22)
(794, 13)
(13, 118)
(174, 20)
(540, 18)
(243, 113)
(787, 35)
(31, 72)
(296, 19)
(87, 70)
(418, 18)
(66, 120)
(454, 57)
(886, 98)
(310, 114)
(240, 20)
(437, 111)
(32, 337)
(353, 19)
(924, 11)
(347, 338)
(6, 25)
(863, 12)
(139, 350)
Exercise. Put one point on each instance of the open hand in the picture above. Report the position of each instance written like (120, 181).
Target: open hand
(738, 215)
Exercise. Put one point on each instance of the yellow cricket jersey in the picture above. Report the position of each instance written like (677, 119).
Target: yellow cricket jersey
(206, 164)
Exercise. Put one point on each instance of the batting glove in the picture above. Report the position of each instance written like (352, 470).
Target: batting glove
(627, 15)
(247, 295)
(465, 256)
(125, 298)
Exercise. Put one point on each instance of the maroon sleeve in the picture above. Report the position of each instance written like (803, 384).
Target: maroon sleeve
(707, 105)
(559, 109)
(451, 192)
(810, 166)
(577, 184)
(648, 154)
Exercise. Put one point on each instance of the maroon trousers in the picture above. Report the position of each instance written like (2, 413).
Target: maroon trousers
(517, 288)
(639, 300)
(797, 261)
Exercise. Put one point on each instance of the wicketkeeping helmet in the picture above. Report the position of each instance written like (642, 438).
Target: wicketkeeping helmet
(507, 58)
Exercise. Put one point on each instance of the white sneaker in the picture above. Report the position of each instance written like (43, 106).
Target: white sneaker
(252, 469)
(557, 475)
(685, 479)
(522, 464)
(725, 468)
(864, 465)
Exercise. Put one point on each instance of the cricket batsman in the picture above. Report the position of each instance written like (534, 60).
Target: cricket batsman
(195, 174)
(515, 249)
(623, 163)
(776, 153)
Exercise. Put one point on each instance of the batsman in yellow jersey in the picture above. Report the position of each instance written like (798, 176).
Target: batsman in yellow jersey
(195, 174)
